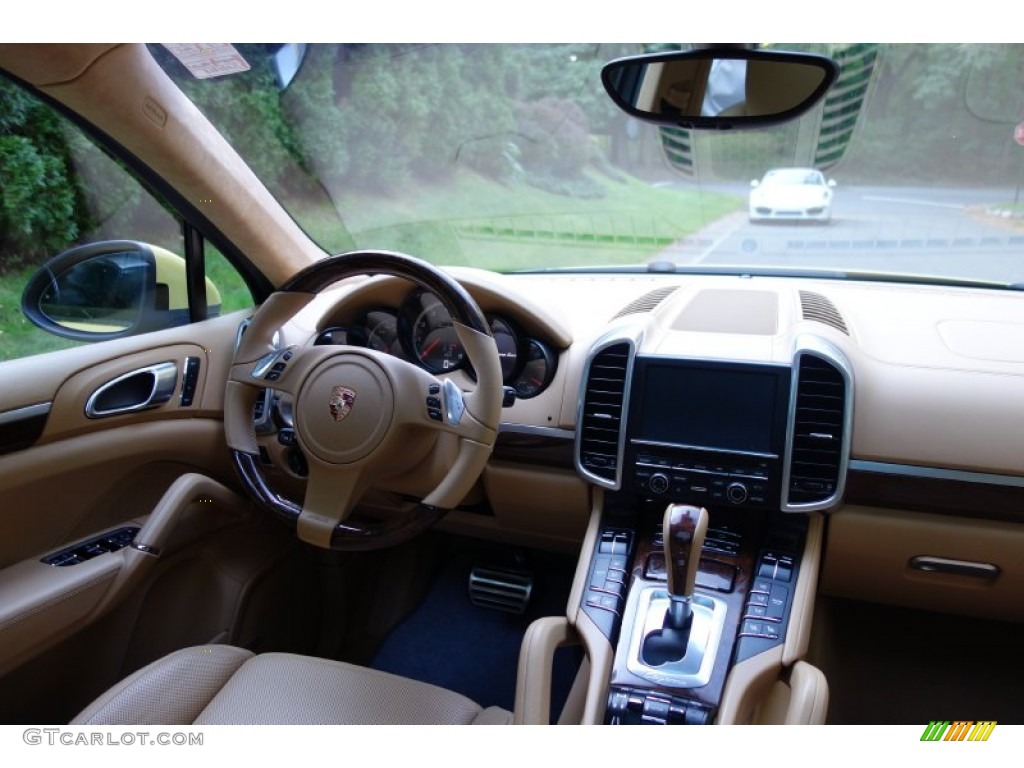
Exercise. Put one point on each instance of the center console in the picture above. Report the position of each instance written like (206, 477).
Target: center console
(747, 448)
(748, 569)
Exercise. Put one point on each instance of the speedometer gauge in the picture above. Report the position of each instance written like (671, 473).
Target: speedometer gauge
(432, 335)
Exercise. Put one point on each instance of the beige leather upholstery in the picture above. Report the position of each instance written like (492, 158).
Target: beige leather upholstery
(219, 684)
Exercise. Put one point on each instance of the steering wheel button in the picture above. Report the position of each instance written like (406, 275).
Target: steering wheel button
(278, 366)
(273, 376)
(454, 403)
(435, 389)
(435, 414)
(434, 402)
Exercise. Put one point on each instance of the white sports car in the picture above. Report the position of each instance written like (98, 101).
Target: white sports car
(791, 194)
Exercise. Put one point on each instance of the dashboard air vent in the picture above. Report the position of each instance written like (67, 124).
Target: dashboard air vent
(820, 309)
(817, 459)
(603, 414)
(647, 302)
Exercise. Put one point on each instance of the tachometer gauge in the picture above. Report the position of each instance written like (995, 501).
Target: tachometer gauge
(432, 336)
(382, 332)
(538, 370)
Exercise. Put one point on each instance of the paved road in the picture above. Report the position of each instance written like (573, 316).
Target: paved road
(880, 229)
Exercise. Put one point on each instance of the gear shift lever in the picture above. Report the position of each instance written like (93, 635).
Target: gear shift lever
(683, 529)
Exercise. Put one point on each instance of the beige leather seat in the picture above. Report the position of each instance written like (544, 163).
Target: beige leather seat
(220, 684)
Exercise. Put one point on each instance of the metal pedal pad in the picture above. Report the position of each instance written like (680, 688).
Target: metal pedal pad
(500, 589)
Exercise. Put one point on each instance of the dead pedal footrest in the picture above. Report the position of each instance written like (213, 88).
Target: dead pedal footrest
(500, 589)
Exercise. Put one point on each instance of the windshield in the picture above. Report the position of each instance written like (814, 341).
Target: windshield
(512, 157)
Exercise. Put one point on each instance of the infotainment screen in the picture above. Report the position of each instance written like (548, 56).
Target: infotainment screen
(718, 407)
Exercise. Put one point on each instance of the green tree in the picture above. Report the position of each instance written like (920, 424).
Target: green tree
(41, 207)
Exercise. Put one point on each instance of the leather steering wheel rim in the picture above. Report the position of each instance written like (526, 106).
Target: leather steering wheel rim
(482, 406)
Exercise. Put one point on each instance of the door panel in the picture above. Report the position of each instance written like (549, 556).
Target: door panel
(85, 475)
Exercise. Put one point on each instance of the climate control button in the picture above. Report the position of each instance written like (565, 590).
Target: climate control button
(658, 483)
(736, 493)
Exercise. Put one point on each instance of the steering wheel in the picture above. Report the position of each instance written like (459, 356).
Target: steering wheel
(363, 416)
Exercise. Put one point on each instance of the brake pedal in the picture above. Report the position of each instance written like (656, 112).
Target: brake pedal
(500, 589)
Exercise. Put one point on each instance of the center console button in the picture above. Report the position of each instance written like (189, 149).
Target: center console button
(736, 493)
(779, 595)
(658, 483)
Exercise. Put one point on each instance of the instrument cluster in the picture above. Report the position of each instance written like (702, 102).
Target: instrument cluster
(421, 332)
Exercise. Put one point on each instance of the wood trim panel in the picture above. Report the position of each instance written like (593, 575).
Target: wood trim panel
(935, 495)
(548, 451)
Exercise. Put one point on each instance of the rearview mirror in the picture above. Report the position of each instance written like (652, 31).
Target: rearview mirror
(719, 87)
(286, 60)
(111, 289)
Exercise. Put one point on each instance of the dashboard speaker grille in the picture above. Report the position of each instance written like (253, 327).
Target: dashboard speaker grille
(602, 416)
(820, 309)
(818, 428)
(647, 302)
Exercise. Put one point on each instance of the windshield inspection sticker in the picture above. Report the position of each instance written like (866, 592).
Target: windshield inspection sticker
(206, 60)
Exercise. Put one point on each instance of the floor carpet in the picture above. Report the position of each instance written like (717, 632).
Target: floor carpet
(450, 642)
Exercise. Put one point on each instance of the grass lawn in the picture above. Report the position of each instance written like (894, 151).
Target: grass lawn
(19, 337)
(466, 221)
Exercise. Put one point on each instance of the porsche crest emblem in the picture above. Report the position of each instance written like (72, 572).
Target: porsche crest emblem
(341, 403)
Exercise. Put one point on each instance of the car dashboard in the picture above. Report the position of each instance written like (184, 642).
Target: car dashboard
(848, 438)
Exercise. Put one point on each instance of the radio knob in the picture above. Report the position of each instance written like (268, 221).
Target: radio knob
(736, 493)
(658, 483)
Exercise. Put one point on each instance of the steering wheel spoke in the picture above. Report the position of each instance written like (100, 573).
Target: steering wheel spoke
(282, 369)
(331, 492)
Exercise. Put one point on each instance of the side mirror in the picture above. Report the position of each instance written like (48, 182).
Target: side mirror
(719, 87)
(109, 290)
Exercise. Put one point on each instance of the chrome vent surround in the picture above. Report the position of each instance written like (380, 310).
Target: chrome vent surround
(602, 417)
(818, 444)
(242, 328)
(820, 309)
(646, 303)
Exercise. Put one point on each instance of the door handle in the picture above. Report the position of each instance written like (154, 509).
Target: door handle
(134, 391)
(930, 564)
